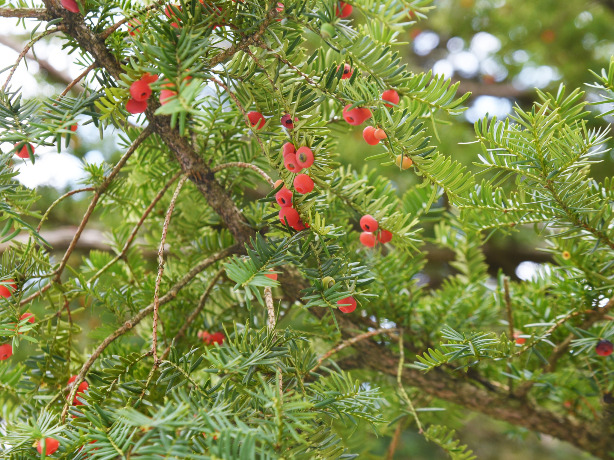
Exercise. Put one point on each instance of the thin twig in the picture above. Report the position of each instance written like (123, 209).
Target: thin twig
(54, 74)
(25, 51)
(303, 75)
(240, 164)
(404, 394)
(66, 195)
(136, 319)
(395, 441)
(201, 304)
(156, 301)
(81, 76)
(242, 110)
(510, 320)
(34, 13)
(101, 189)
(351, 341)
(247, 41)
(562, 347)
(268, 300)
(138, 225)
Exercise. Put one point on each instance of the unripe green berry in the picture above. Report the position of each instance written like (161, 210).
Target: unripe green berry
(327, 30)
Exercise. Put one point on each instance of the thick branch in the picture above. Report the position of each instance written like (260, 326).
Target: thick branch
(503, 407)
(456, 389)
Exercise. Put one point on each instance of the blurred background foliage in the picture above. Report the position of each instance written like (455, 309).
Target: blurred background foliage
(499, 50)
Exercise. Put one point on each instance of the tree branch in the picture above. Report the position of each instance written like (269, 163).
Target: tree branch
(22, 13)
(156, 301)
(240, 164)
(54, 74)
(100, 190)
(136, 319)
(349, 342)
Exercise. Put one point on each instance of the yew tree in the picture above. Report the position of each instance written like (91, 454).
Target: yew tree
(259, 298)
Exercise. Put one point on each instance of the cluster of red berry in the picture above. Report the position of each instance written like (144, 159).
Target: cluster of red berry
(372, 233)
(287, 214)
(210, 339)
(140, 92)
(6, 349)
(294, 161)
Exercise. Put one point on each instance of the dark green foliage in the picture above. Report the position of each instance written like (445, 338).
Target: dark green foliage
(271, 390)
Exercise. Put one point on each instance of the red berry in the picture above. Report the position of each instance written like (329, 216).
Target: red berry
(356, 116)
(256, 119)
(344, 10)
(6, 351)
(403, 162)
(368, 239)
(286, 121)
(284, 197)
(217, 337)
(4, 288)
(347, 71)
(299, 226)
(70, 5)
(288, 147)
(303, 184)
(22, 150)
(390, 95)
(272, 276)
(379, 134)
(604, 348)
(83, 386)
(29, 316)
(304, 157)
(140, 90)
(290, 215)
(519, 340)
(368, 135)
(368, 223)
(280, 7)
(291, 163)
(134, 27)
(50, 445)
(384, 236)
(135, 107)
(210, 339)
(347, 305)
(165, 95)
(148, 78)
(169, 10)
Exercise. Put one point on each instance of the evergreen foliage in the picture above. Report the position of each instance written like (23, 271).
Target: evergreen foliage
(294, 377)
